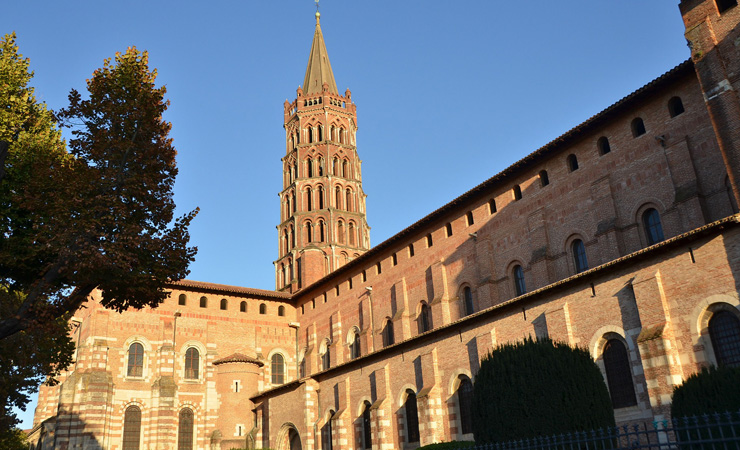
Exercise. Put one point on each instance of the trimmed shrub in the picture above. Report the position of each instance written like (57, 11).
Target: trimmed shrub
(538, 388)
(711, 390)
(452, 445)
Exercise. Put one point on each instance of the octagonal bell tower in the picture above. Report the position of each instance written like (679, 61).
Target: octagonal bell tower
(322, 205)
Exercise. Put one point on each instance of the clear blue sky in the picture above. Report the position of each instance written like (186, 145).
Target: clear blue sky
(448, 93)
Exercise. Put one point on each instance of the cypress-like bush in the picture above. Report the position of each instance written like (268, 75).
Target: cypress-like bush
(711, 390)
(538, 388)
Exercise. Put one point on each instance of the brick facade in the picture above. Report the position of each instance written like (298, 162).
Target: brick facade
(622, 229)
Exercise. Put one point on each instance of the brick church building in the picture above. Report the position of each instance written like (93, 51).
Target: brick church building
(620, 236)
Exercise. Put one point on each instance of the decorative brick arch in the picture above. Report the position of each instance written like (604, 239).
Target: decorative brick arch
(700, 316)
(286, 436)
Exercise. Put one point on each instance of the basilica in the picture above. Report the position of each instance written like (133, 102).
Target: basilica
(620, 236)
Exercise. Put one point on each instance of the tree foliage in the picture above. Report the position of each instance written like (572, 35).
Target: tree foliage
(99, 214)
(709, 391)
(538, 388)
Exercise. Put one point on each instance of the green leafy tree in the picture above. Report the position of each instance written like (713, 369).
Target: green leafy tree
(97, 215)
(538, 388)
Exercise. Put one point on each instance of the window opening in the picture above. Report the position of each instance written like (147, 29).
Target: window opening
(182, 300)
(579, 256)
(263, 308)
(277, 369)
(653, 227)
(424, 319)
(517, 192)
(619, 374)
(429, 240)
(603, 145)
(281, 310)
(519, 285)
(724, 5)
(354, 348)
(203, 302)
(366, 431)
(468, 300)
(388, 337)
(131, 428)
(638, 127)
(378, 268)
(724, 332)
(492, 205)
(224, 304)
(470, 218)
(411, 250)
(192, 363)
(135, 360)
(394, 259)
(675, 106)
(412, 417)
(185, 430)
(465, 404)
(572, 163)
(544, 179)
(243, 307)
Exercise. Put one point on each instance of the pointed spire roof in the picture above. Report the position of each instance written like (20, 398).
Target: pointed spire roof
(319, 70)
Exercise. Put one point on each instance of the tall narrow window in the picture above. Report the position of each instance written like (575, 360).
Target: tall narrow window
(379, 268)
(192, 363)
(281, 310)
(345, 169)
(320, 129)
(638, 127)
(724, 332)
(309, 199)
(310, 135)
(131, 428)
(412, 417)
(322, 236)
(309, 167)
(135, 360)
(572, 163)
(367, 442)
(335, 167)
(468, 300)
(348, 200)
(411, 250)
(619, 374)
(321, 197)
(603, 145)
(544, 179)
(675, 106)
(465, 404)
(243, 307)
(338, 198)
(320, 164)
(326, 358)
(469, 217)
(388, 337)
(263, 307)
(354, 348)
(326, 438)
(579, 256)
(352, 238)
(277, 368)
(425, 322)
(203, 302)
(309, 232)
(364, 275)
(224, 304)
(519, 287)
(492, 206)
(517, 190)
(394, 259)
(653, 227)
(429, 240)
(448, 229)
(182, 300)
(185, 430)
(724, 5)
(340, 232)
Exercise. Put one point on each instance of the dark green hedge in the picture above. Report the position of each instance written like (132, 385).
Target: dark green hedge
(452, 445)
(711, 390)
(538, 388)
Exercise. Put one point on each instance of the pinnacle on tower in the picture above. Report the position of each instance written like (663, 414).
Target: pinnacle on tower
(319, 70)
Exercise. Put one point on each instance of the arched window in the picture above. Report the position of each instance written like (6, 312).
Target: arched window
(388, 337)
(367, 442)
(354, 346)
(468, 300)
(412, 417)
(310, 135)
(309, 199)
(309, 167)
(281, 310)
(131, 428)
(322, 235)
(492, 206)
(335, 167)
(638, 127)
(321, 197)
(292, 200)
(352, 238)
(309, 232)
(277, 368)
(263, 308)
(340, 232)
(348, 200)
(302, 367)
(192, 363)
(326, 438)
(425, 320)
(320, 166)
(338, 197)
(325, 357)
(519, 287)
(544, 179)
(619, 374)
(185, 430)
(724, 332)
(465, 404)
(675, 106)
(282, 276)
(341, 135)
(320, 130)
(345, 169)
(517, 192)
(135, 360)
(243, 307)
(292, 237)
(579, 256)
(572, 162)
(469, 217)
(652, 226)
(224, 304)
(203, 302)
(603, 145)
(182, 300)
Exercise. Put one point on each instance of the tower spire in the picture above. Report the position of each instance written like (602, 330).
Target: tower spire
(318, 70)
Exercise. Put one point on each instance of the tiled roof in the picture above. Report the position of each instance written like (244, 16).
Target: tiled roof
(227, 289)
(238, 358)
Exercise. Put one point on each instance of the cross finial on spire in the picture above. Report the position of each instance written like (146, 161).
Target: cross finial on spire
(317, 12)
(317, 5)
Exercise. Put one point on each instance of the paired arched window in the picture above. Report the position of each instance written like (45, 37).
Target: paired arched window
(412, 417)
(675, 106)
(182, 300)
(603, 145)
(263, 308)
(468, 300)
(367, 442)
(281, 310)
(724, 332)
(519, 286)
(544, 178)
(243, 305)
(185, 430)
(135, 360)
(277, 368)
(354, 346)
(425, 319)
(579, 256)
(638, 127)
(388, 336)
(203, 302)
(224, 304)
(652, 226)
(465, 404)
(619, 374)
(192, 363)
(131, 428)
(572, 162)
